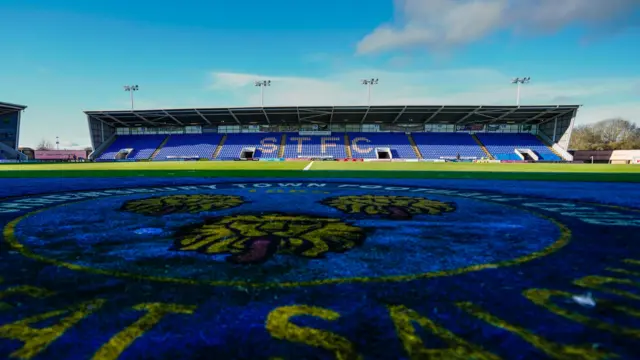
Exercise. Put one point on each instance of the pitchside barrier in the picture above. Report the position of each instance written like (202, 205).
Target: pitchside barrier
(34, 161)
(636, 161)
(312, 159)
(171, 157)
(487, 161)
(390, 160)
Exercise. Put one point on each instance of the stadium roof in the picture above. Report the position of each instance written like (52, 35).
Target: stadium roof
(6, 108)
(441, 114)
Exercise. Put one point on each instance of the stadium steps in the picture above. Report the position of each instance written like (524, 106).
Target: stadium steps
(164, 142)
(414, 146)
(549, 146)
(103, 147)
(347, 147)
(283, 143)
(484, 148)
(219, 147)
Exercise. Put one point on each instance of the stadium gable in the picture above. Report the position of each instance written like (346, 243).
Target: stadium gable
(10, 131)
(7, 108)
(409, 114)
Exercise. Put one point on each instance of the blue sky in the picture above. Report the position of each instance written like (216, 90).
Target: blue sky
(62, 57)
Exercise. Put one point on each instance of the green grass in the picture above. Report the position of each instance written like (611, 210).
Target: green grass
(415, 170)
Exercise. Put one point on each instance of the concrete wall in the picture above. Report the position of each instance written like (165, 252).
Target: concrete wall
(607, 155)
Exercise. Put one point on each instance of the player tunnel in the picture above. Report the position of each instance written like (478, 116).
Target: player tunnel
(123, 154)
(383, 153)
(248, 153)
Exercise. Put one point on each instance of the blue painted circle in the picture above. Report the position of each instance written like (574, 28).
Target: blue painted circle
(97, 234)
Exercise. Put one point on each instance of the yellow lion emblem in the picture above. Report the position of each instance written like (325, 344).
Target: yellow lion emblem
(164, 205)
(394, 207)
(251, 239)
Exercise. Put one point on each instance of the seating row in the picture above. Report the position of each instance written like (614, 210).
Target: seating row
(361, 145)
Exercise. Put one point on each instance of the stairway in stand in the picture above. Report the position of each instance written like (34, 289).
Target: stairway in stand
(347, 146)
(164, 142)
(283, 143)
(219, 147)
(549, 146)
(414, 146)
(484, 148)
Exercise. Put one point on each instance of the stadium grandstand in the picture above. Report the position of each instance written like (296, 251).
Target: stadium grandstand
(367, 133)
(10, 131)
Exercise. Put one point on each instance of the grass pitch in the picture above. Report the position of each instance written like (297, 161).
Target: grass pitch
(397, 170)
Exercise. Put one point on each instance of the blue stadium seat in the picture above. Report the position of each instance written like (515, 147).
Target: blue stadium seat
(447, 145)
(266, 144)
(143, 146)
(502, 146)
(431, 145)
(363, 145)
(315, 146)
(201, 146)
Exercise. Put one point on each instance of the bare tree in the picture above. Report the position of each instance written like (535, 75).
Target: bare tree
(611, 134)
(44, 144)
(614, 130)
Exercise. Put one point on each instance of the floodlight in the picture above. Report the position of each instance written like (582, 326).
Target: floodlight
(519, 82)
(131, 89)
(369, 83)
(262, 84)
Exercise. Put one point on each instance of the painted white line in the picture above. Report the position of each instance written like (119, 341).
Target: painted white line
(308, 166)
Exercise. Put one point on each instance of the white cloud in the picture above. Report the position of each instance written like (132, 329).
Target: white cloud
(602, 97)
(438, 24)
(70, 145)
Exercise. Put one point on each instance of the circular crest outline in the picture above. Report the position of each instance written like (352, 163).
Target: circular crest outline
(563, 240)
